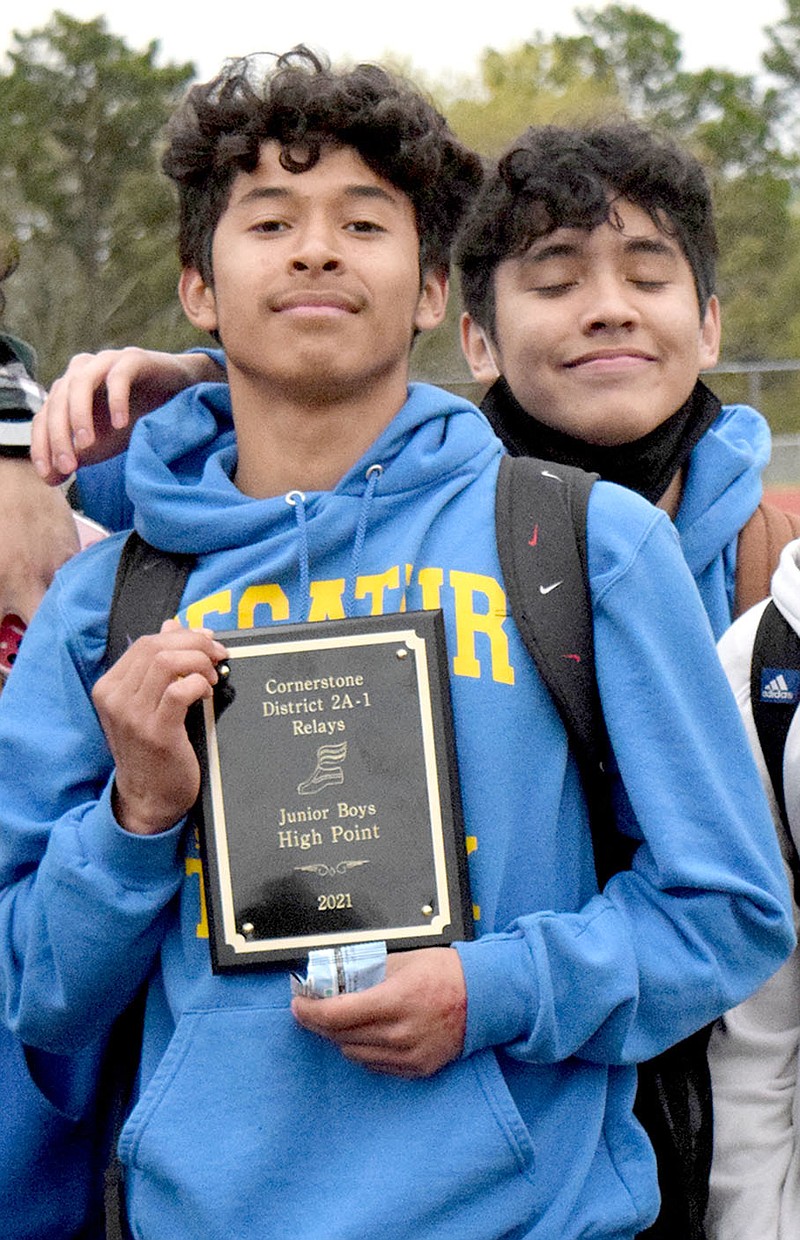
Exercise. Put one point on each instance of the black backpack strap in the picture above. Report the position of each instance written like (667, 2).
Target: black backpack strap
(541, 540)
(541, 534)
(775, 692)
(540, 519)
(148, 589)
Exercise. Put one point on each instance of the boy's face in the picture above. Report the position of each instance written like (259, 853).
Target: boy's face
(316, 288)
(598, 332)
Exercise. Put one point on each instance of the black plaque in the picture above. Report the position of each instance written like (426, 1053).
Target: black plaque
(331, 811)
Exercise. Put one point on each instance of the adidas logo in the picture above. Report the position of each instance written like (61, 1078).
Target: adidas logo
(780, 685)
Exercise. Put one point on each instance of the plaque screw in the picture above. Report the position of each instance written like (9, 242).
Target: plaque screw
(248, 927)
(427, 910)
(402, 653)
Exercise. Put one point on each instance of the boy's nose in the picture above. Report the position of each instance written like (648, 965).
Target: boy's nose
(609, 306)
(308, 263)
(315, 251)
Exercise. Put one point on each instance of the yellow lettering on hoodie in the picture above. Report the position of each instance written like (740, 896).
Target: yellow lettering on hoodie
(403, 601)
(375, 586)
(489, 622)
(326, 600)
(471, 842)
(195, 866)
(270, 596)
(219, 604)
(430, 583)
(479, 601)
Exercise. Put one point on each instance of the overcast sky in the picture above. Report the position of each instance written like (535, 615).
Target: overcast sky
(436, 37)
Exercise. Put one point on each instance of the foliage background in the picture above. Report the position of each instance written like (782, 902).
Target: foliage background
(83, 198)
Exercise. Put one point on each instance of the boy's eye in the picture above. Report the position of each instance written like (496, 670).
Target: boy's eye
(651, 272)
(554, 289)
(364, 226)
(552, 277)
(268, 226)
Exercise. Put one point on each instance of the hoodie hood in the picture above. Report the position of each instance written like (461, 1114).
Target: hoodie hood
(723, 489)
(182, 460)
(723, 483)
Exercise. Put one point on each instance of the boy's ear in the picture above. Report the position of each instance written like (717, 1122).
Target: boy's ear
(478, 352)
(432, 303)
(710, 330)
(197, 299)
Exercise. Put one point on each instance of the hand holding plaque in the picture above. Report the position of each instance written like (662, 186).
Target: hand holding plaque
(331, 809)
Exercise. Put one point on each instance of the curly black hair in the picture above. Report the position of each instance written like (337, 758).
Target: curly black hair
(304, 105)
(554, 177)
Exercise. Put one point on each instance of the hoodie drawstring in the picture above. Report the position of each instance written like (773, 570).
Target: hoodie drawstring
(297, 500)
(372, 475)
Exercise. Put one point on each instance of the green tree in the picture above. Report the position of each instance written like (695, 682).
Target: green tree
(758, 234)
(78, 167)
(640, 54)
(541, 82)
(730, 120)
(782, 61)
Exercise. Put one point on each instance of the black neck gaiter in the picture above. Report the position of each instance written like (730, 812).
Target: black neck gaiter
(646, 465)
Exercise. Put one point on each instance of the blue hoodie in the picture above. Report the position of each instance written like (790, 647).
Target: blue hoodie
(246, 1124)
(53, 1145)
(721, 493)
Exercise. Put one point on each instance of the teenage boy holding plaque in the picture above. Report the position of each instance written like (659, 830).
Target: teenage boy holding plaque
(483, 1089)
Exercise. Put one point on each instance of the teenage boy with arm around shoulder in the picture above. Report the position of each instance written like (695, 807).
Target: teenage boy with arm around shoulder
(588, 275)
(587, 269)
(315, 253)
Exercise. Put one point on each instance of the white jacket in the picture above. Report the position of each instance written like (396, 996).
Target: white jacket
(754, 1053)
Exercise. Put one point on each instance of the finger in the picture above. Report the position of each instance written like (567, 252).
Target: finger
(150, 712)
(182, 693)
(65, 429)
(84, 402)
(173, 636)
(119, 381)
(391, 1048)
(153, 713)
(81, 397)
(206, 638)
(54, 426)
(148, 678)
(171, 668)
(344, 1016)
(40, 444)
(42, 457)
(153, 662)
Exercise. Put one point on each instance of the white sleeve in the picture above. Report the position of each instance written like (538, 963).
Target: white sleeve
(754, 1056)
